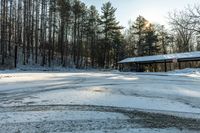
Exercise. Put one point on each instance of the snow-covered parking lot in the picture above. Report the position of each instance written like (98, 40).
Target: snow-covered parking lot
(98, 102)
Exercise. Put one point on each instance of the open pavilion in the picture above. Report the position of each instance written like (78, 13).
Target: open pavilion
(177, 58)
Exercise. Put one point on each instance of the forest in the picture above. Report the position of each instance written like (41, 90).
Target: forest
(68, 33)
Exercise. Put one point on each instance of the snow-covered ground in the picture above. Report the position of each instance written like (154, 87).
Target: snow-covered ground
(195, 73)
(96, 102)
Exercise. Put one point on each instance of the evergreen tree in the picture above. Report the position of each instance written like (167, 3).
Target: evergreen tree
(163, 38)
(139, 28)
(109, 27)
(92, 31)
(65, 14)
(118, 48)
(151, 47)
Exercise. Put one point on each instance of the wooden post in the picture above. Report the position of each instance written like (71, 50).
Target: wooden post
(16, 56)
(179, 65)
(138, 67)
(155, 67)
(165, 66)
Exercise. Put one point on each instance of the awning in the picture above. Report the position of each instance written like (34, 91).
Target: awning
(189, 56)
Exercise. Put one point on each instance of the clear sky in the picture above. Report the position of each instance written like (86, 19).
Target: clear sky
(155, 11)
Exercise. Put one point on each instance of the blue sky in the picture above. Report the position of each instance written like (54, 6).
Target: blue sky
(155, 11)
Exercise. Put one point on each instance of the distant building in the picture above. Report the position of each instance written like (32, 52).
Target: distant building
(161, 62)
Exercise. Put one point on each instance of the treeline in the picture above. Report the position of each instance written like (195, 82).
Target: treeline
(144, 38)
(59, 32)
(185, 25)
(68, 33)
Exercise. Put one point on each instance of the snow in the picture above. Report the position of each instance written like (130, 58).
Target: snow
(138, 130)
(37, 116)
(101, 97)
(163, 57)
(190, 72)
(43, 68)
(174, 93)
(106, 89)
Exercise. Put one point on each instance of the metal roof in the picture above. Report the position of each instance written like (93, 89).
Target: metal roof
(162, 58)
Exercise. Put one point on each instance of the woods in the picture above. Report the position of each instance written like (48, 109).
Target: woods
(68, 33)
(58, 33)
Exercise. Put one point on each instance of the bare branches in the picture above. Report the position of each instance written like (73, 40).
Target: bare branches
(185, 24)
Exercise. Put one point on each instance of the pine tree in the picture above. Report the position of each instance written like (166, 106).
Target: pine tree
(151, 46)
(36, 38)
(76, 15)
(43, 31)
(92, 30)
(139, 28)
(118, 48)
(64, 10)
(110, 26)
(4, 5)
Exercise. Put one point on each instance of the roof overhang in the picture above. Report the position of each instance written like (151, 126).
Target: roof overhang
(180, 57)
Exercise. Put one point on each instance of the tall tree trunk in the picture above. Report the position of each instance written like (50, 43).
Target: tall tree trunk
(75, 38)
(32, 30)
(50, 32)
(24, 32)
(62, 40)
(3, 31)
(36, 31)
(10, 29)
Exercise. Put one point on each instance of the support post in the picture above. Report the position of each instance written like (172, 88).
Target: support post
(138, 67)
(16, 56)
(165, 66)
(179, 65)
(155, 67)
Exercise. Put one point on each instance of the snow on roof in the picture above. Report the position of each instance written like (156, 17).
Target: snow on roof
(188, 55)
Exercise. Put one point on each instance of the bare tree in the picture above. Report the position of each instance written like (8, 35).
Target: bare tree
(181, 25)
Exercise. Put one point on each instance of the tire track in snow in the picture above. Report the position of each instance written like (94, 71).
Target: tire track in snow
(144, 118)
